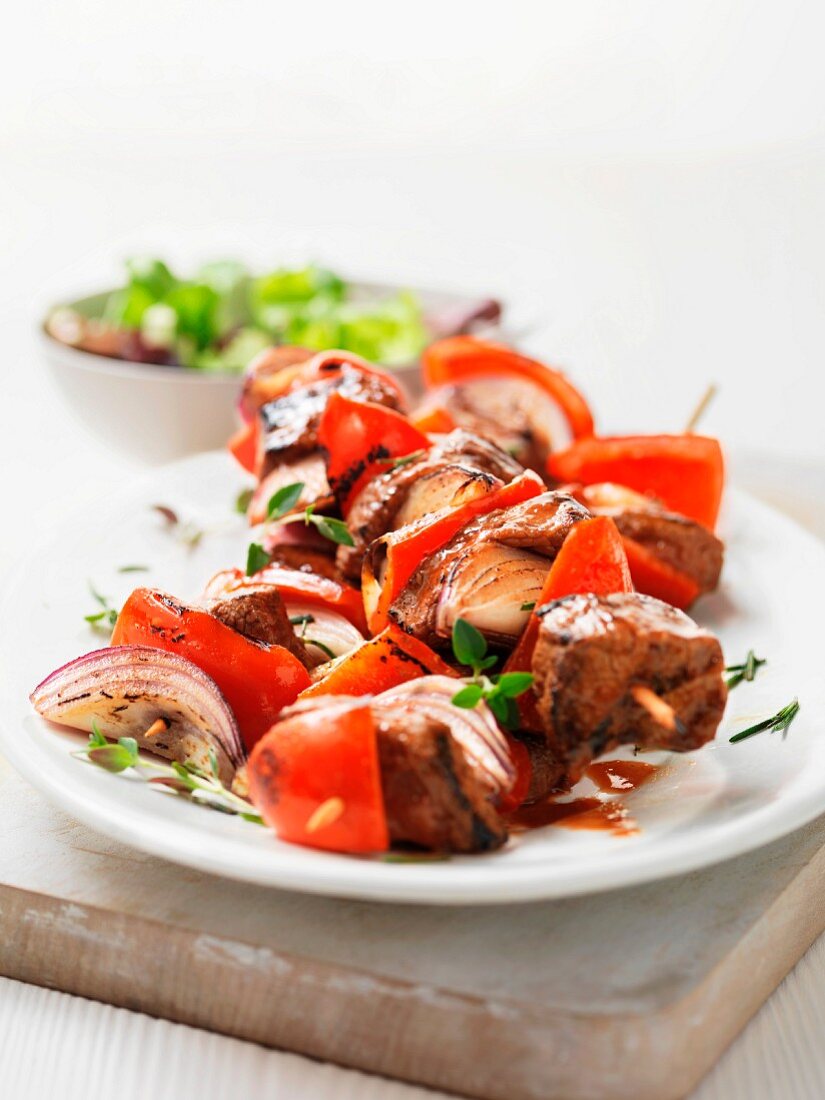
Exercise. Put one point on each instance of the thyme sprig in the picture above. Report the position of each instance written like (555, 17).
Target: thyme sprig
(202, 788)
(746, 671)
(498, 691)
(777, 723)
(104, 619)
(280, 509)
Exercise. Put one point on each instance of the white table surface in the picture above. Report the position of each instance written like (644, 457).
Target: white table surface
(645, 183)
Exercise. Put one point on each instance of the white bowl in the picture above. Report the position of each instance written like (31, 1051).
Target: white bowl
(158, 413)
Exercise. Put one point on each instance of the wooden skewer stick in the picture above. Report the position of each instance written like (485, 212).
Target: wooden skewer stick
(661, 712)
(160, 725)
(701, 409)
(326, 814)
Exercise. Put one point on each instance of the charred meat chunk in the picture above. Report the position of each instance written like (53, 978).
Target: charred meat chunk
(487, 573)
(259, 614)
(459, 467)
(624, 669)
(679, 542)
(443, 769)
(290, 423)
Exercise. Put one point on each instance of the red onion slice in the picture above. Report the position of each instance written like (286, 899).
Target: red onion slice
(336, 634)
(125, 690)
(476, 730)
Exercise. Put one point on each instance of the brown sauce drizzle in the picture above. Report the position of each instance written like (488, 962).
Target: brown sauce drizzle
(620, 776)
(606, 815)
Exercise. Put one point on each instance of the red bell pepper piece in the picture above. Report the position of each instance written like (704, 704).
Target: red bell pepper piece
(316, 779)
(657, 578)
(591, 559)
(685, 472)
(406, 548)
(293, 583)
(435, 420)
(385, 661)
(460, 358)
(257, 681)
(361, 439)
(520, 755)
(243, 445)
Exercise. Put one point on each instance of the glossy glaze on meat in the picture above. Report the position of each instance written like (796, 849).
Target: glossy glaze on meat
(593, 651)
(488, 572)
(459, 467)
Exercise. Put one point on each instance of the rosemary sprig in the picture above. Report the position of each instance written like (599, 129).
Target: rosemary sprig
(499, 691)
(404, 460)
(101, 620)
(133, 569)
(746, 671)
(777, 723)
(202, 788)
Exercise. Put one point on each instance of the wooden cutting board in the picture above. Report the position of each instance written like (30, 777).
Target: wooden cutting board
(630, 994)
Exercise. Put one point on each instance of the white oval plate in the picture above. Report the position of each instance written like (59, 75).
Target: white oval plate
(700, 808)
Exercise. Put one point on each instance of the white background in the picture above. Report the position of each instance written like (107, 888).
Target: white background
(643, 181)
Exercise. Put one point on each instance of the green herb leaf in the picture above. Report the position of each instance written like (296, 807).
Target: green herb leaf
(528, 606)
(405, 460)
(112, 758)
(284, 500)
(242, 501)
(99, 619)
(777, 723)
(469, 696)
(469, 645)
(96, 738)
(746, 671)
(504, 709)
(513, 684)
(333, 529)
(133, 569)
(301, 620)
(256, 558)
(319, 645)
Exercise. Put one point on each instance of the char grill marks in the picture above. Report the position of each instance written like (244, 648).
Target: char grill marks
(676, 540)
(457, 468)
(486, 574)
(442, 769)
(290, 423)
(593, 654)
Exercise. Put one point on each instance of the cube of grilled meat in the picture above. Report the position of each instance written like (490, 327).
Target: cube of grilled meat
(624, 669)
(519, 417)
(302, 547)
(443, 768)
(459, 467)
(290, 423)
(676, 540)
(486, 573)
(259, 614)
